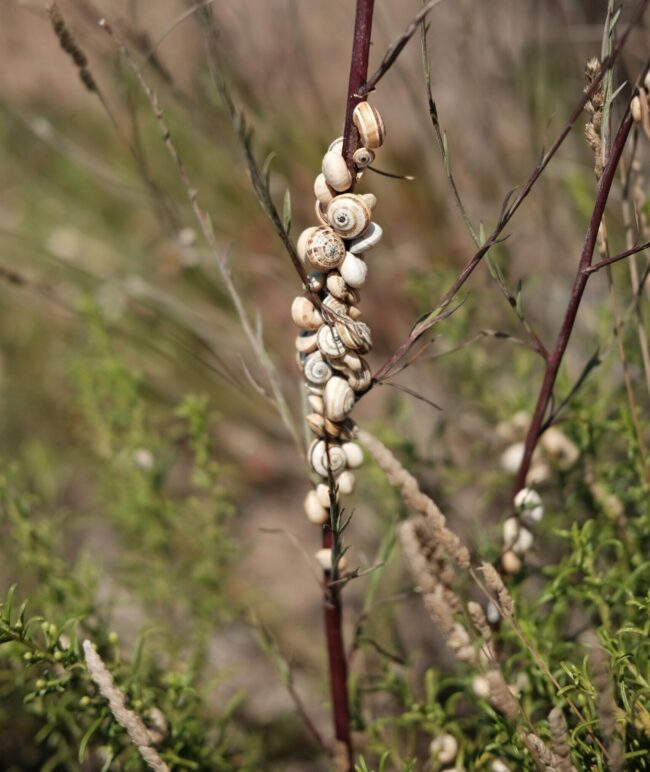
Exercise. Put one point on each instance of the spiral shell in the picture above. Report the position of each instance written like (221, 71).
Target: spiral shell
(368, 239)
(338, 398)
(321, 213)
(305, 314)
(348, 215)
(353, 454)
(316, 423)
(301, 244)
(363, 157)
(315, 402)
(321, 460)
(322, 190)
(361, 379)
(336, 172)
(354, 313)
(329, 342)
(354, 362)
(370, 200)
(345, 483)
(315, 511)
(323, 493)
(336, 146)
(370, 125)
(337, 287)
(355, 336)
(316, 369)
(306, 342)
(337, 307)
(324, 249)
(353, 270)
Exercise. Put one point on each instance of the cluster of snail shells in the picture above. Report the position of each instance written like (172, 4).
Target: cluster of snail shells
(332, 338)
(517, 538)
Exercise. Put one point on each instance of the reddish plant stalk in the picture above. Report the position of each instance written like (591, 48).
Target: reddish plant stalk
(556, 356)
(333, 611)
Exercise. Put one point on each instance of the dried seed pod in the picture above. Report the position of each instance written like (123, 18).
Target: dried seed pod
(320, 210)
(368, 239)
(336, 172)
(336, 146)
(360, 380)
(315, 402)
(348, 215)
(315, 281)
(355, 336)
(301, 244)
(324, 194)
(370, 125)
(353, 270)
(306, 342)
(305, 314)
(324, 249)
(338, 398)
(345, 483)
(370, 200)
(363, 157)
(316, 369)
(330, 343)
(353, 454)
(322, 458)
(315, 511)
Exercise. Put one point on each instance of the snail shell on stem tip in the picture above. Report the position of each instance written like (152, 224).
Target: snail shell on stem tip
(370, 125)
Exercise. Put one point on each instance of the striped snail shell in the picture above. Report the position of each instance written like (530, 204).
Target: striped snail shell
(354, 362)
(306, 342)
(368, 239)
(336, 172)
(322, 190)
(329, 342)
(349, 430)
(301, 244)
(314, 389)
(315, 281)
(353, 454)
(338, 398)
(354, 313)
(355, 336)
(336, 285)
(359, 380)
(305, 314)
(348, 215)
(353, 270)
(336, 146)
(370, 125)
(314, 509)
(323, 458)
(316, 423)
(336, 306)
(363, 157)
(345, 483)
(316, 369)
(324, 249)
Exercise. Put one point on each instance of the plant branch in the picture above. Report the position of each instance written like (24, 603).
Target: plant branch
(615, 258)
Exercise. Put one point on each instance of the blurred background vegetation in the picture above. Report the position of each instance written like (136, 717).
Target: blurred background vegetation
(150, 496)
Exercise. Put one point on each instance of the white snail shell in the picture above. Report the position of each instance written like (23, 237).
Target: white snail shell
(353, 270)
(524, 541)
(355, 336)
(322, 190)
(315, 511)
(353, 454)
(336, 285)
(635, 108)
(336, 172)
(348, 215)
(336, 146)
(320, 210)
(360, 380)
(336, 306)
(511, 563)
(370, 125)
(323, 493)
(368, 239)
(510, 531)
(329, 342)
(316, 369)
(321, 460)
(345, 483)
(529, 504)
(315, 402)
(305, 314)
(354, 313)
(354, 362)
(301, 244)
(338, 398)
(316, 281)
(324, 557)
(370, 200)
(363, 157)
(324, 249)
(314, 390)
(306, 342)
(444, 748)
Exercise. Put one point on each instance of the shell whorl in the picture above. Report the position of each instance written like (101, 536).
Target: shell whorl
(316, 369)
(348, 215)
(324, 249)
(325, 457)
(370, 125)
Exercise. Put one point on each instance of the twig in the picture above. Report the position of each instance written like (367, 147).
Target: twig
(621, 256)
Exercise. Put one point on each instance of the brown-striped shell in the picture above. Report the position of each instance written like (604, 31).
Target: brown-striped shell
(316, 369)
(323, 458)
(338, 398)
(348, 215)
(355, 336)
(329, 342)
(359, 380)
(370, 125)
(324, 249)
(306, 342)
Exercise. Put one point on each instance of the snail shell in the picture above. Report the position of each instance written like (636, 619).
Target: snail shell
(511, 563)
(635, 108)
(316, 369)
(510, 531)
(305, 314)
(324, 557)
(324, 249)
(353, 270)
(354, 313)
(370, 125)
(370, 199)
(349, 430)
(315, 281)
(322, 190)
(355, 336)
(345, 483)
(338, 398)
(363, 157)
(315, 511)
(524, 541)
(337, 286)
(306, 342)
(359, 380)
(315, 402)
(336, 306)
(321, 461)
(323, 493)
(354, 362)
(330, 343)
(353, 454)
(336, 146)
(371, 236)
(316, 423)
(321, 213)
(301, 244)
(348, 215)
(336, 172)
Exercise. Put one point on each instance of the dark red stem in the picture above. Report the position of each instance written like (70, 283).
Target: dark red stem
(557, 354)
(332, 594)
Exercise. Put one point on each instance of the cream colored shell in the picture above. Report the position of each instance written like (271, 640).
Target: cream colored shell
(370, 125)
(305, 314)
(353, 270)
(324, 249)
(355, 336)
(367, 240)
(338, 398)
(336, 172)
(301, 244)
(345, 483)
(361, 379)
(315, 511)
(321, 460)
(363, 157)
(329, 342)
(348, 215)
(353, 454)
(321, 213)
(316, 369)
(322, 190)
(306, 342)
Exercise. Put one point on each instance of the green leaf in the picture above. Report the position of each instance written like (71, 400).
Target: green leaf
(83, 745)
(286, 211)
(8, 604)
